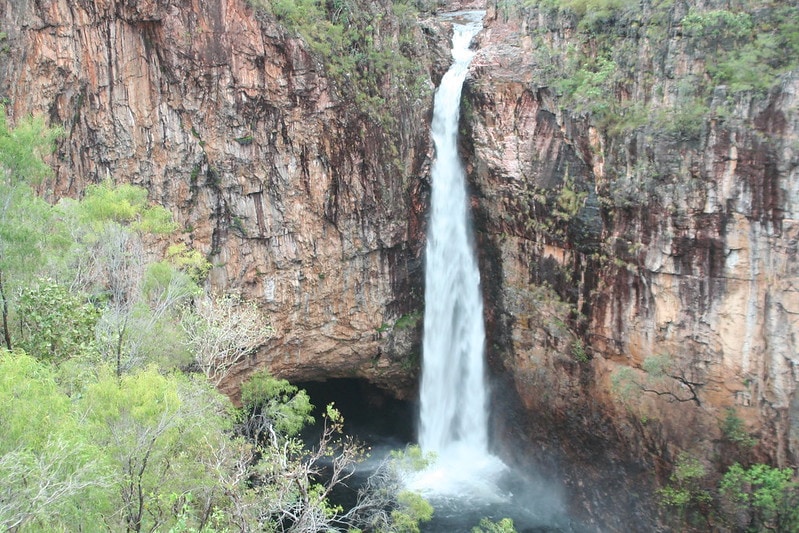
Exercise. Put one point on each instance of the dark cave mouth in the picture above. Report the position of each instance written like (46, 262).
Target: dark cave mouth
(371, 414)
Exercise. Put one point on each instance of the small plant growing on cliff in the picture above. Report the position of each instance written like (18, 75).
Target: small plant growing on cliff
(408, 320)
(662, 377)
(733, 429)
(685, 491)
(579, 352)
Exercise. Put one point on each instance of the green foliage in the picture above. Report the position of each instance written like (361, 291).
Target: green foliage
(748, 50)
(162, 278)
(767, 495)
(569, 201)
(745, 48)
(591, 88)
(411, 459)
(622, 383)
(685, 491)
(33, 404)
(56, 324)
(717, 24)
(488, 526)
(411, 510)
(27, 228)
(363, 49)
(124, 204)
(408, 321)
(733, 429)
(159, 433)
(283, 406)
(579, 352)
(657, 366)
(684, 122)
(49, 462)
(662, 376)
(23, 148)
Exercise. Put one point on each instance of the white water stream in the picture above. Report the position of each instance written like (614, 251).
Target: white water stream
(453, 395)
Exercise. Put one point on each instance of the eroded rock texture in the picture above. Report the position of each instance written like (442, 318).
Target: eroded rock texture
(667, 260)
(302, 203)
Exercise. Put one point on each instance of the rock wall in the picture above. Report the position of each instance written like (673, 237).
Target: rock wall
(641, 284)
(603, 252)
(301, 201)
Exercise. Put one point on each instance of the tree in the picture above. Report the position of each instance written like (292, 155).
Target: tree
(766, 497)
(300, 488)
(273, 409)
(384, 504)
(221, 331)
(26, 227)
(49, 465)
(662, 377)
(685, 491)
(139, 295)
(162, 435)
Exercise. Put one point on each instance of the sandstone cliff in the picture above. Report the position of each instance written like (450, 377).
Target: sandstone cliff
(656, 252)
(640, 269)
(301, 200)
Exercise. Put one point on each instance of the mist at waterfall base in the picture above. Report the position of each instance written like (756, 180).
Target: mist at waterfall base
(384, 424)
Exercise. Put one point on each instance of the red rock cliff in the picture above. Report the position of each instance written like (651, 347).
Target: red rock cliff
(301, 201)
(641, 269)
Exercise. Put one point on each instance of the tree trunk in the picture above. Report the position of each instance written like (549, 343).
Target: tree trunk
(6, 333)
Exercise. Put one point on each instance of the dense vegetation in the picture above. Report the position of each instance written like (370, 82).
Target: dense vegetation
(617, 73)
(110, 420)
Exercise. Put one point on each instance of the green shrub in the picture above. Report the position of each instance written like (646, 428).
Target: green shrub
(767, 496)
(733, 429)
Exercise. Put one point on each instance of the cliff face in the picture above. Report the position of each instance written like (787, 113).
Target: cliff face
(640, 275)
(303, 203)
(643, 277)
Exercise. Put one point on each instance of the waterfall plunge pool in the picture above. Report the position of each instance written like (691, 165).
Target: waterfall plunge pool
(461, 490)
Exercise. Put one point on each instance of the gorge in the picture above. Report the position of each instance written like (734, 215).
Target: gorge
(633, 189)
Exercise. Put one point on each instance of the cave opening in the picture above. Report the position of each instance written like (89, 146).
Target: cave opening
(371, 414)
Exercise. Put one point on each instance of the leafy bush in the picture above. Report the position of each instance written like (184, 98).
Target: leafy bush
(733, 429)
(685, 491)
(767, 496)
(275, 406)
(487, 526)
(747, 51)
(56, 324)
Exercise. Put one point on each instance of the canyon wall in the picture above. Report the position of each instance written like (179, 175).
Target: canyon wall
(642, 278)
(302, 202)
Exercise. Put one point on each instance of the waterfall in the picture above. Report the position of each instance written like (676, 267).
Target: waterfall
(453, 392)
(453, 421)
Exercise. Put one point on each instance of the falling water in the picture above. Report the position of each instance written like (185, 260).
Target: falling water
(453, 397)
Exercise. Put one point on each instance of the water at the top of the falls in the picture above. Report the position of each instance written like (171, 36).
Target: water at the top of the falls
(453, 393)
